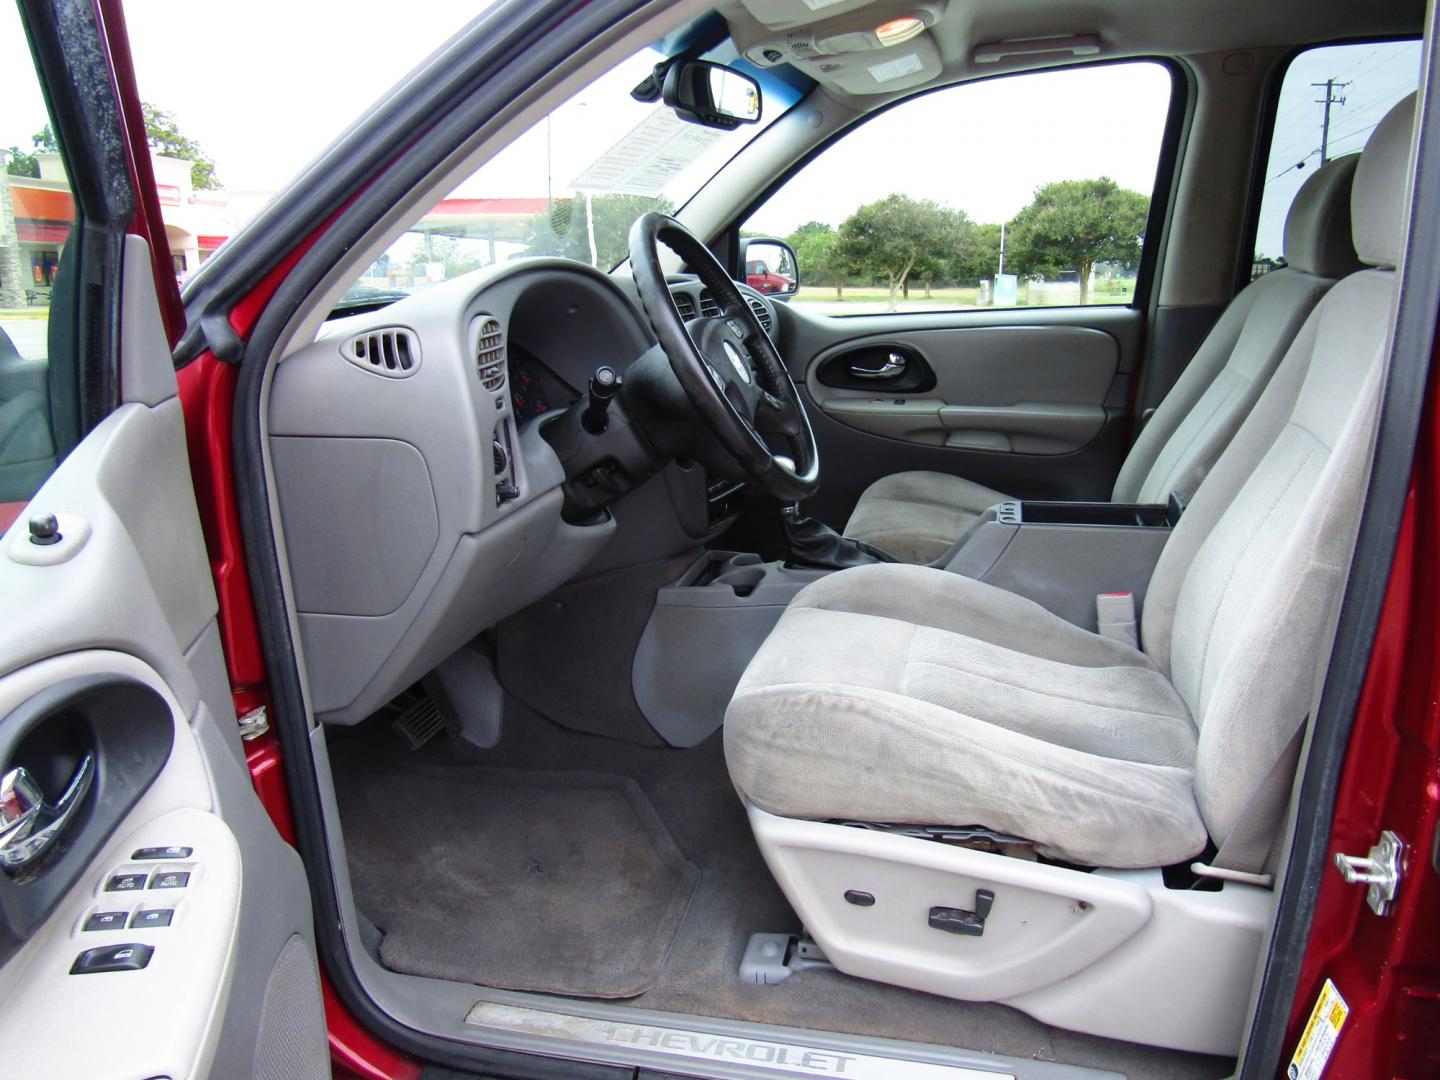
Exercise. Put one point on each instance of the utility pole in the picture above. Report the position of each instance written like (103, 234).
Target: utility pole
(1330, 86)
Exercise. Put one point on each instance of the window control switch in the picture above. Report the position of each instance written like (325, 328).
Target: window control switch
(171, 879)
(154, 917)
(125, 883)
(106, 920)
(130, 957)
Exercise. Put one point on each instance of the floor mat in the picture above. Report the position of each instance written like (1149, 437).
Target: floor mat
(691, 792)
(559, 882)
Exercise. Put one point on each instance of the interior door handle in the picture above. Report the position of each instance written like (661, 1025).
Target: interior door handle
(893, 367)
(29, 826)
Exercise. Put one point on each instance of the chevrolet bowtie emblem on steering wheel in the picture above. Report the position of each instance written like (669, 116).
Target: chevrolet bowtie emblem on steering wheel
(737, 361)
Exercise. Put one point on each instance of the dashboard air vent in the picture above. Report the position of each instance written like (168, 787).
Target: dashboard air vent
(708, 307)
(684, 304)
(762, 313)
(490, 354)
(393, 352)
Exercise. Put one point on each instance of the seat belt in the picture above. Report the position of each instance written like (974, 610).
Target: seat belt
(1247, 848)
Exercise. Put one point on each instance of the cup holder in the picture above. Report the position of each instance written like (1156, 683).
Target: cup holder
(742, 579)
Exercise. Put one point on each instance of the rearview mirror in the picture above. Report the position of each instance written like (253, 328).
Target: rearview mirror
(712, 95)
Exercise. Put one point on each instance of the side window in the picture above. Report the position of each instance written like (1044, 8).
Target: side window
(1026, 191)
(1330, 101)
(38, 388)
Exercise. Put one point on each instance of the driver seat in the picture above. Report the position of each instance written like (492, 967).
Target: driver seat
(907, 694)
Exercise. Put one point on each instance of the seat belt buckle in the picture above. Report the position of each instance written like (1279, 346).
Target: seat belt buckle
(1115, 617)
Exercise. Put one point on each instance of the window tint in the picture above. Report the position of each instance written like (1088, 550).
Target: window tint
(1031, 190)
(1330, 101)
(37, 385)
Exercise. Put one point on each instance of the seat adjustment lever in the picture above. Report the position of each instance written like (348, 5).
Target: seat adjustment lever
(959, 921)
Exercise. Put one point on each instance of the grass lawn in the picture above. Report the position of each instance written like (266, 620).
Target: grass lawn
(866, 299)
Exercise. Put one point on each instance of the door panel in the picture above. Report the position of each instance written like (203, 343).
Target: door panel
(1033, 403)
(133, 606)
(1012, 389)
(126, 601)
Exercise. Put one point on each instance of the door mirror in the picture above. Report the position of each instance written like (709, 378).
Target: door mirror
(712, 95)
(770, 267)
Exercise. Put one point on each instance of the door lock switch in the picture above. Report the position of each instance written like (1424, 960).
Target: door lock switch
(132, 957)
(148, 854)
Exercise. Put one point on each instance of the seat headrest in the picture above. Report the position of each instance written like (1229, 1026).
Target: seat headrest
(1377, 200)
(1318, 237)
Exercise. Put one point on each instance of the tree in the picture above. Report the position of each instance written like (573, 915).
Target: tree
(818, 254)
(888, 237)
(164, 136)
(22, 163)
(953, 243)
(566, 230)
(978, 258)
(1077, 223)
(27, 164)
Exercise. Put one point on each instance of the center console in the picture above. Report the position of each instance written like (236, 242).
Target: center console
(1064, 554)
(703, 631)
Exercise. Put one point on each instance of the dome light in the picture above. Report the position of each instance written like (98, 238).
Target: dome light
(899, 30)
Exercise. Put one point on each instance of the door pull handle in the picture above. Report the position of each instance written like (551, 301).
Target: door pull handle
(29, 826)
(893, 367)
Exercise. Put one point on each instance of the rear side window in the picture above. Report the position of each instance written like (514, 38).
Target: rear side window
(1330, 101)
(39, 408)
(1031, 190)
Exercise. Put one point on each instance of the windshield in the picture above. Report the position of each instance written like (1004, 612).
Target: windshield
(570, 186)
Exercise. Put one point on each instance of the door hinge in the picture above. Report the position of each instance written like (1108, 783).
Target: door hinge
(1380, 870)
(254, 723)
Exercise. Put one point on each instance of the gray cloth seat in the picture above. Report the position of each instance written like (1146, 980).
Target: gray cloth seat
(27, 451)
(918, 516)
(907, 694)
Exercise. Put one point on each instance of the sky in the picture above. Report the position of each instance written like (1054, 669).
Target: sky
(262, 86)
(1378, 74)
(982, 148)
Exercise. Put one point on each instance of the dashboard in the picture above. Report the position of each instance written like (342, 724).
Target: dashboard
(417, 500)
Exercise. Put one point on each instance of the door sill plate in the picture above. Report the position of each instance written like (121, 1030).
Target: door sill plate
(729, 1055)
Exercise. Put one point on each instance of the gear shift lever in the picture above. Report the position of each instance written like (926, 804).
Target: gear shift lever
(813, 543)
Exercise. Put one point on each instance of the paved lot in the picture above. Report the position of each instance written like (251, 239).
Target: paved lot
(28, 334)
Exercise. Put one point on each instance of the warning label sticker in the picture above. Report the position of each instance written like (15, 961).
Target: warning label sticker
(1318, 1040)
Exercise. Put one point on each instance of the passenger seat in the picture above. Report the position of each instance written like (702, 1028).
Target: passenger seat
(918, 516)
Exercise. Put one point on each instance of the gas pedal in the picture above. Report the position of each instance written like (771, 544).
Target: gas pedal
(420, 722)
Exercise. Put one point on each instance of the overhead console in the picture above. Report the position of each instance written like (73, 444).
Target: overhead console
(854, 46)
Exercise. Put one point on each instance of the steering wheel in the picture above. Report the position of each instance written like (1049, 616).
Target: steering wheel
(727, 364)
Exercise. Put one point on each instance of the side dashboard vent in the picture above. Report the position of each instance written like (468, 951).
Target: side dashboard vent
(762, 313)
(393, 352)
(490, 354)
(684, 304)
(708, 307)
